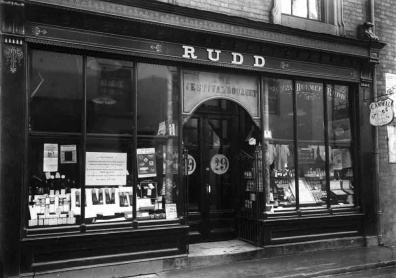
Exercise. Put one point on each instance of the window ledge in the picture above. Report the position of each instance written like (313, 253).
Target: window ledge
(308, 25)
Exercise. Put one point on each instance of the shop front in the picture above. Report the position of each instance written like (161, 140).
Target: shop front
(142, 138)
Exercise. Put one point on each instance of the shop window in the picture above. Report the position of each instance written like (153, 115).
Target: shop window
(324, 16)
(81, 157)
(314, 169)
(157, 150)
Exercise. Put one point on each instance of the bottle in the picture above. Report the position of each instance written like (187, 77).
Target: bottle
(52, 185)
(63, 185)
(46, 189)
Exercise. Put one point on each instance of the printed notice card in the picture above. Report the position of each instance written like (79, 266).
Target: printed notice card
(146, 163)
(105, 168)
(171, 211)
(50, 162)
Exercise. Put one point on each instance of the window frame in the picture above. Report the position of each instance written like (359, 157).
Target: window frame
(332, 19)
(83, 136)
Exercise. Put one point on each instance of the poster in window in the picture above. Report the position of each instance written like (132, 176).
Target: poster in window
(170, 211)
(68, 154)
(146, 163)
(50, 161)
(104, 168)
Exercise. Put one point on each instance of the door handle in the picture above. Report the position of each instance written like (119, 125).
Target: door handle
(208, 187)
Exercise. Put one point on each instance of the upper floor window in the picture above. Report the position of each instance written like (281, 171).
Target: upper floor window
(311, 9)
(322, 16)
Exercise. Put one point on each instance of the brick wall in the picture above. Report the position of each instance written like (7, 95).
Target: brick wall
(258, 10)
(385, 29)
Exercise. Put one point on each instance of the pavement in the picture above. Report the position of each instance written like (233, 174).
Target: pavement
(324, 263)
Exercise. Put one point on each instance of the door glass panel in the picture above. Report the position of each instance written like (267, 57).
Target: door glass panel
(219, 178)
(191, 135)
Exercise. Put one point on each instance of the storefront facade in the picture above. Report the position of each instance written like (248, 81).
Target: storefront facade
(137, 130)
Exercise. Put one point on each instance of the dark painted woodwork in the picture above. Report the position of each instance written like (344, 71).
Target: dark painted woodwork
(308, 228)
(12, 127)
(72, 250)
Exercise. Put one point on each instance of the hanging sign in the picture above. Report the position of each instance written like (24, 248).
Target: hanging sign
(219, 164)
(191, 164)
(146, 163)
(381, 112)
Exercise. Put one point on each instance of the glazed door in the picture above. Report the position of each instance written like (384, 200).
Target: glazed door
(213, 174)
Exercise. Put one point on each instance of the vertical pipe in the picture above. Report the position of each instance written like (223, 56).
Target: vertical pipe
(375, 147)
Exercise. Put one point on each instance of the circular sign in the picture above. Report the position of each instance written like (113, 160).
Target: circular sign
(191, 165)
(219, 164)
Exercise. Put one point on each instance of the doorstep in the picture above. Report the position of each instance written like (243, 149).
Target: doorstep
(200, 255)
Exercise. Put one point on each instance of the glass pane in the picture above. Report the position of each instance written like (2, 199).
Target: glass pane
(299, 8)
(191, 135)
(54, 182)
(286, 7)
(341, 146)
(315, 8)
(278, 120)
(109, 96)
(311, 146)
(108, 185)
(56, 92)
(219, 157)
(158, 166)
(157, 99)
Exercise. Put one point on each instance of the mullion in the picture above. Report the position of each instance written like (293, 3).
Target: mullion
(83, 145)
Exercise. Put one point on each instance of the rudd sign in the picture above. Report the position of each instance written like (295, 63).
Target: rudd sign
(214, 55)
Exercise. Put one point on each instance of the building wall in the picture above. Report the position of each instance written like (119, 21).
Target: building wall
(385, 29)
(355, 13)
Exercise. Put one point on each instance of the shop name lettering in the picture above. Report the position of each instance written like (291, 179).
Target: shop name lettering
(219, 89)
(214, 56)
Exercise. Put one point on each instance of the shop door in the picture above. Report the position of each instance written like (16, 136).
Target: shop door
(212, 144)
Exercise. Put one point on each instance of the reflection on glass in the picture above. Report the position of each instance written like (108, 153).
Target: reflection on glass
(108, 185)
(53, 182)
(109, 96)
(341, 148)
(157, 99)
(56, 92)
(278, 120)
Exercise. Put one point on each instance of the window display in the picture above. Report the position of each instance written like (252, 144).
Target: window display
(84, 174)
(324, 147)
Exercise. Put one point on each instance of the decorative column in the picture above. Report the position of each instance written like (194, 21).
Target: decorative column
(12, 133)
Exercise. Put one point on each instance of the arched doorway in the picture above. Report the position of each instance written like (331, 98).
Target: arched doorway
(215, 136)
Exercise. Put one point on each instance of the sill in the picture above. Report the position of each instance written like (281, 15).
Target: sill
(308, 25)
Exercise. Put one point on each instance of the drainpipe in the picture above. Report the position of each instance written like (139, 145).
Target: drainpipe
(376, 160)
